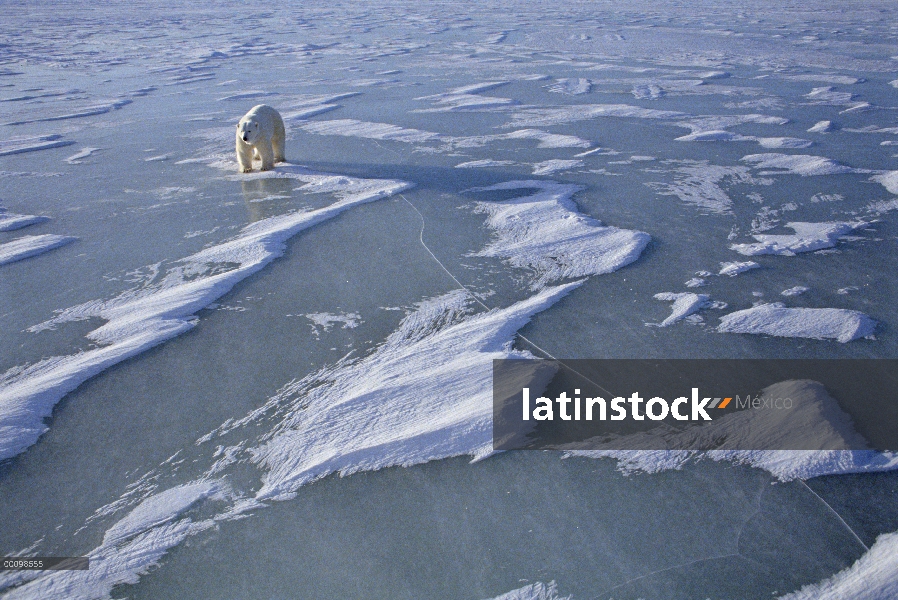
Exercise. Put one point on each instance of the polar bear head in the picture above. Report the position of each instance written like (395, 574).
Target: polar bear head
(249, 130)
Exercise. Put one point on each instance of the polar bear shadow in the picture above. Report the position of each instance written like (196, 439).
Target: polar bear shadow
(260, 135)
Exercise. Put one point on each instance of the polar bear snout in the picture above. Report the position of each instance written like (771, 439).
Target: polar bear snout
(249, 132)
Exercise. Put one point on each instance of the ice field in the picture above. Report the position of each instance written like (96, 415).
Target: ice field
(277, 384)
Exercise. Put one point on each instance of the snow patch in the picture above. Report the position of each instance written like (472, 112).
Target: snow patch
(325, 321)
(546, 233)
(808, 237)
(775, 319)
(75, 159)
(547, 167)
(734, 268)
(581, 112)
(570, 86)
(684, 304)
(534, 591)
(797, 164)
(871, 577)
(822, 127)
(11, 221)
(31, 245)
(889, 181)
(19, 145)
(795, 291)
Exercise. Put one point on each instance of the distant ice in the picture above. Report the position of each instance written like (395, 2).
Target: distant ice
(798, 164)
(873, 129)
(18, 145)
(75, 159)
(87, 111)
(386, 131)
(474, 88)
(889, 181)
(814, 323)
(715, 124)
(829, 96)
(377, 131)
(248, 95)
(44, 94)
(31, 245)
(546, 140)
(822, 127)
(325, 321)
(534, 591)
(468, 98)
(547, 167)
(546, 233)
(480, 164)
(795, 291)
(808, 237)
(727, 136)
(648, 91)
(784, 142)
(570, 86)
(696, 282)
(822, 77)
(857, 107)
(699, 184)
(820, 197)
(10, 221)
(307, 112)
(871, 577)
(712, 136)
(684, 304)
(734, 268)
(580, 112)
(881, 207)
(721, 135)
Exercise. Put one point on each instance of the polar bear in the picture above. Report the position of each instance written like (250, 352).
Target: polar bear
(260, 133)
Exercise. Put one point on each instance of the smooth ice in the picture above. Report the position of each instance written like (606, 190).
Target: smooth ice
(273, 385)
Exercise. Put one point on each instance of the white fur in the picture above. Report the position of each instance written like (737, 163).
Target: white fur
(260, 133)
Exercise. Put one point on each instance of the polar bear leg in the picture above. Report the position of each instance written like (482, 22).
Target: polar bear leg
(277, 140)
(267, 156)
(244, 156)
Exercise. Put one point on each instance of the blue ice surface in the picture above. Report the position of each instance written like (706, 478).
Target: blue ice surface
(406, 93)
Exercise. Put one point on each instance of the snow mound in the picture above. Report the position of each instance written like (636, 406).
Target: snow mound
(808, 237)
(815, 323)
